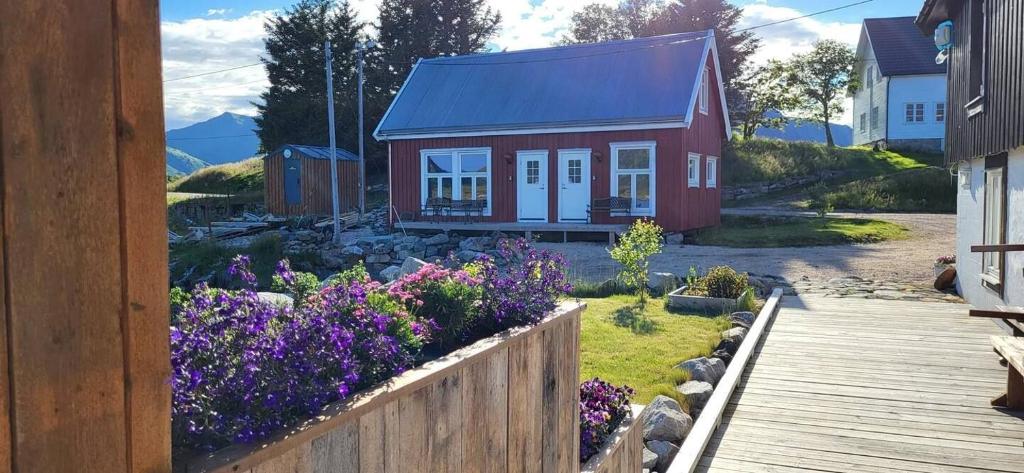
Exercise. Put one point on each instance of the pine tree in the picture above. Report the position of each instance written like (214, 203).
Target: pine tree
(294, 108)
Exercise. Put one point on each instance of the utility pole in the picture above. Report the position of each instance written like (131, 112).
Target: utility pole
(360, 53)
(334, 152)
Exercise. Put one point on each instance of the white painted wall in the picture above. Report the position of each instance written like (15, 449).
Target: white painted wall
(867, 97)
(927, 89)
(969, 220)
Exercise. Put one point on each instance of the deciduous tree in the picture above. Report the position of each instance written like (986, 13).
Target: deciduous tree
(764, 94)
(823, 77)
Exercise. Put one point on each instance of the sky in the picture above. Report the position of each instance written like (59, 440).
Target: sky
(211, 35)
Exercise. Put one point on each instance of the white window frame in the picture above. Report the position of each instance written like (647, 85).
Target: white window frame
(940, 106)
(704, 92)
(873, 118)
(613, 183)
(711, 172)
(994, 218)
(863, 122)
(869, 76)
(456, 174)
(914, 113)
(693, 164)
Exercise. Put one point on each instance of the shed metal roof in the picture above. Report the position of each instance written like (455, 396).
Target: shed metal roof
(639, 81)
(319, 152)
(900, 48)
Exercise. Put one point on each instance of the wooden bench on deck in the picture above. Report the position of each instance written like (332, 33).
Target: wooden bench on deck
(1009, 347)
(609, 205)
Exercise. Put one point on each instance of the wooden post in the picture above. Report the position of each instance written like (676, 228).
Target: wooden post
(84, 255)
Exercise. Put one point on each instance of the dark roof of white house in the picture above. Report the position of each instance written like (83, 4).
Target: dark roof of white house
(319, 152)
(615, 83)
(900, 47)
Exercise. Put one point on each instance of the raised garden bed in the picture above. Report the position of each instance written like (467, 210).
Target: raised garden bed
(680, 300)
(509, 402)
(623, 451)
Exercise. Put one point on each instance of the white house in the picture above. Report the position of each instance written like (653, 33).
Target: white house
(901, 102)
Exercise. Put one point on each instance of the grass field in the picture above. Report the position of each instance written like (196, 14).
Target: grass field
(623, 346)
(916, 190)
(774, 232)
(232, 178)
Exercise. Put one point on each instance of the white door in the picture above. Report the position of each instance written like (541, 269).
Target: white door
(532, 185)
(573, 184)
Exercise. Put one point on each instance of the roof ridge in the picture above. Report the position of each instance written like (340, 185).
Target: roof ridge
(643, 39)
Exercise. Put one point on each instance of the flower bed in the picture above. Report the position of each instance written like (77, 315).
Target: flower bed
(718, 291)
(609, 439)
(247, 369)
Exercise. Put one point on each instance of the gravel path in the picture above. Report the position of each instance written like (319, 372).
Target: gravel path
(906, 261)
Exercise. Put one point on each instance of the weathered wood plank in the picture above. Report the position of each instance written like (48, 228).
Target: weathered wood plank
(551, 398)
(485, 401)
(444, 408)
(392, 436)
(413, 435)
(296, 460)
(525, 397)
(337, 451)
(372, 441)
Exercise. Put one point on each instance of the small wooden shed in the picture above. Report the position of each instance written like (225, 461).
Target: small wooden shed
(297, 180)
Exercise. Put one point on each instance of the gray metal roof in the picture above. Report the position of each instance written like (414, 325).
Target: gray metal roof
(900, 48)
(319, 152)
(644, 80)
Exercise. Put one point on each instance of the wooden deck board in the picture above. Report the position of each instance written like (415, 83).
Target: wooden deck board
(847, 385)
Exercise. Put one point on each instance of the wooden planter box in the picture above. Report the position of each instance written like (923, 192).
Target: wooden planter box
(708, 305)
(623, 452)
(509, 402)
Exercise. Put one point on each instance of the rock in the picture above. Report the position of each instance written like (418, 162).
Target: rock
(439, 239)
(742, 319)
(378, 258)
(662, 283)
(728, 346)
(305, 235)
(665, 451)
(390, 273)
(384, 247)
(477, 244)
(704, 369)
(736, 334)
(723, 355)
(674, 238)
(352, 250)
(650, 458)
(467, 255)
(697, 393)
(411, 265)
(283, 300)
(666, 420)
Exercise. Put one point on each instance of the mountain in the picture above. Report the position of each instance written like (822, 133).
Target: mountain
(226, 138)
(806, 130)
(180, 163)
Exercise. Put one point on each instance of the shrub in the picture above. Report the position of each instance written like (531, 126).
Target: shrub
(945, 259)
(602, 407)
(724, 282)
(298, 285)
(527, 289)
(243, 368)
(642, 240)
(449, 297)
(747, 301)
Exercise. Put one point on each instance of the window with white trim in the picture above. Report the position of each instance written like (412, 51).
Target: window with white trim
(940, 112)
(704, 78)
(874, 118)
(458, 174)
(995, 222)
(633, 174)
(693, 170)
(712, 172)
(914, 112)
(863, 121)
(869, 76)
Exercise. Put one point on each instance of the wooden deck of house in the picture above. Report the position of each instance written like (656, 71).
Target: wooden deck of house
(847, 385)
(527, 228)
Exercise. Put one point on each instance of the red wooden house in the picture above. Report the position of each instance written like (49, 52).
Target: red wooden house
(545, 138)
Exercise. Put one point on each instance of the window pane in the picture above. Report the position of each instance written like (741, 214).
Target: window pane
(446, 187)
(993, 218)
(575, 171)
(439, 164)
(692, 169)
(643, 191)
(532, 172)
(481, 188)
(625, 186)
(431, 187)
(634, 158)
(476, 162)
(466, 193)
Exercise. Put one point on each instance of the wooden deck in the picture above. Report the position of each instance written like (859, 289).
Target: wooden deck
(527, 228)
(848, 385)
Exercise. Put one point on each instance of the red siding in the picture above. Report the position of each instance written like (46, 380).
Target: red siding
(678, 208)
(315, 182)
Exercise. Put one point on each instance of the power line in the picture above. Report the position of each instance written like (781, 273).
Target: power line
(210, 137)
(195, 91)
(215, 72)
(822, 12)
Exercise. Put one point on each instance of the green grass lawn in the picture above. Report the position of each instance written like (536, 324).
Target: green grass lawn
(622, 347)
(774, 232)
(231, 178)
(927, 189)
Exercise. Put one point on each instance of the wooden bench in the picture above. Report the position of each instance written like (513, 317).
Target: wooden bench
(1012, 350)
(609, 205)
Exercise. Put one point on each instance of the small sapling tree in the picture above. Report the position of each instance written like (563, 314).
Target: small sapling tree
(635, 247)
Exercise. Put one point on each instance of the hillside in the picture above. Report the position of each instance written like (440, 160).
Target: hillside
(232, 178)
(226, 138)
(805, 130)
(180, 163)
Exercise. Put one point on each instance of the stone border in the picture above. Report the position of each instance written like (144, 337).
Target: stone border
(711, 416)
(678, 300)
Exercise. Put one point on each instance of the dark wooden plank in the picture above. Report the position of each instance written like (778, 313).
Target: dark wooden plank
(999, 312)
(60, 180)
(996, 248)
(141, 165)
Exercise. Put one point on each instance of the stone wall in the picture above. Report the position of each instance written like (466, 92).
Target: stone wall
(757, 189)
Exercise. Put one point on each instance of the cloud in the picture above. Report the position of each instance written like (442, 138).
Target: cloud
(217, 11)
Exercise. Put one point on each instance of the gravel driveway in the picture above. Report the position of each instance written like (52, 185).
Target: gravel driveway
(907, 261)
